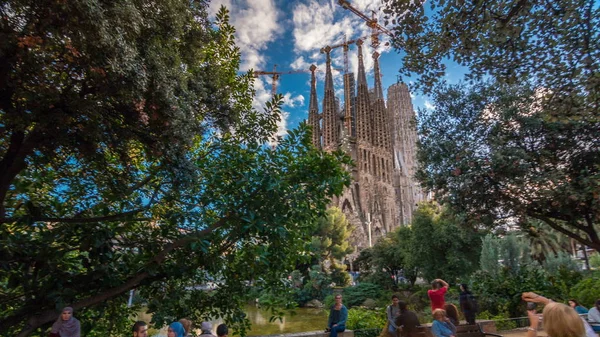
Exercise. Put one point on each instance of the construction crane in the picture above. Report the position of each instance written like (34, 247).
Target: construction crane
(376, 28)
(276, 74)
(345, 45)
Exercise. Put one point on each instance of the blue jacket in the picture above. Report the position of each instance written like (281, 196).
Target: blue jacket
(343, 316)
(442, 329)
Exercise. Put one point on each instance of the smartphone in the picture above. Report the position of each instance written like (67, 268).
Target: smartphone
(531, 306)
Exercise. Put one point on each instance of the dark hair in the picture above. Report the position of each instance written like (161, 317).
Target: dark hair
(395, 296)
(465, 287)
(137, 326)
(598, 304)
(222, 330)
(402, 306)
(574, 301)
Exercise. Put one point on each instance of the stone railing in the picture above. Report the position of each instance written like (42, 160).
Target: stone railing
(486, 326)
(321, 333)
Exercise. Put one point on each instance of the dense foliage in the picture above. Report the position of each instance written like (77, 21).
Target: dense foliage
(330, 244)
(505, 155)
(442, 246)
(507, 271)
(131, 158)
(525, 145)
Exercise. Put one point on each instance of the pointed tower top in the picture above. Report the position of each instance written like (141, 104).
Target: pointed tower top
(377, 75)
(314, 106)
(328, 74)
(362, 77)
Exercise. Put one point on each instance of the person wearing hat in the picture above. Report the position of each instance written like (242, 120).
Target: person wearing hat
(206, 328)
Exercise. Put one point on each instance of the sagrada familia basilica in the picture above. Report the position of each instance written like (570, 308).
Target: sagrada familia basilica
(381, 138)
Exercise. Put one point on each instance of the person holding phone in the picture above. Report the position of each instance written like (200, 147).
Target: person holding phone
(560, 320)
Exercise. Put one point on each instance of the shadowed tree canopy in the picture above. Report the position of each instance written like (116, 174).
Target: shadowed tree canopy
(554, 44)
(131, 158)
(441, 246)
(504, 155)
(525, 144)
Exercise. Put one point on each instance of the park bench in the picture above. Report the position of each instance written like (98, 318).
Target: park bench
(461, 331)
(473, 330)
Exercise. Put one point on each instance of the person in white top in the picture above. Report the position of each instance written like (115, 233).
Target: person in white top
(594, 316)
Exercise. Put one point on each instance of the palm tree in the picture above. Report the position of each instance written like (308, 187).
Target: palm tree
(543, 240)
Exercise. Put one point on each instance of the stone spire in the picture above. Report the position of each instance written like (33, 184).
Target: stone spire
(364, 124)
(313, 110)
(330, 114)
(378, 86)
(382, 124)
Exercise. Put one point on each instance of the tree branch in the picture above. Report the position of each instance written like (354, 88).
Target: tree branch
(50, 315)
(556, 226)
(113, 217)
(21, 146)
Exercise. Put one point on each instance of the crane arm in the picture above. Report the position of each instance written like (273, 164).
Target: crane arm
(371, 22)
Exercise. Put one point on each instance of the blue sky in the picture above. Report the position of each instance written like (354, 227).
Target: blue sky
(291, 33)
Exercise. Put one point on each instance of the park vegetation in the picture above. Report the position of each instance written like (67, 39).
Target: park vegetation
(131, 159)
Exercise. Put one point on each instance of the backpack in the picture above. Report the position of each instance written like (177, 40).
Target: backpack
(472, 303)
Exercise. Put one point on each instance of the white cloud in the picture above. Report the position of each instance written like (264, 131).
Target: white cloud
(293, 101)
(429, 106)
(252, 34)
(315, 27)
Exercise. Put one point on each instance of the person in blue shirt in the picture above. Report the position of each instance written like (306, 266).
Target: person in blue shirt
(441, 326)
(578, 307)
(338, 315)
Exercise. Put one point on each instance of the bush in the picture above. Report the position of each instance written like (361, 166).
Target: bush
(383, 280)
(359, 318)
(587, 291)
(355, 296)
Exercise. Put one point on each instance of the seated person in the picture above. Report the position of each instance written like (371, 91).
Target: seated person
(578, 307)
(594, 316)
(441, 326)
(338, 315)
(407, 321)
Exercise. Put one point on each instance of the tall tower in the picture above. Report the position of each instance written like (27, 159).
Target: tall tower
(381, 131)
(349, 100)
(330, 114)
(313, 110)
(364, 124)
(404, 140)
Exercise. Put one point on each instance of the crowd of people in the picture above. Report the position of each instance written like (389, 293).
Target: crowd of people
(560, 320)
(67, 325)
(182, 328)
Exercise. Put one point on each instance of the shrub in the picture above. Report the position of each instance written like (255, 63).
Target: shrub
(587, 291)
(383, 280)
(359, 318)
(355, 296)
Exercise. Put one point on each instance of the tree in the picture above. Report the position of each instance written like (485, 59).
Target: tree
(498, 154)
(544, 242)
(330, 243)
(387, 256)
(490, 254)
(331, 235)
(391, 255)
(130, 158)
(549, 44)
(538, 154)
(441, 247)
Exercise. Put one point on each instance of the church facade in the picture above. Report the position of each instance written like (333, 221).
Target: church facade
(380, 136)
